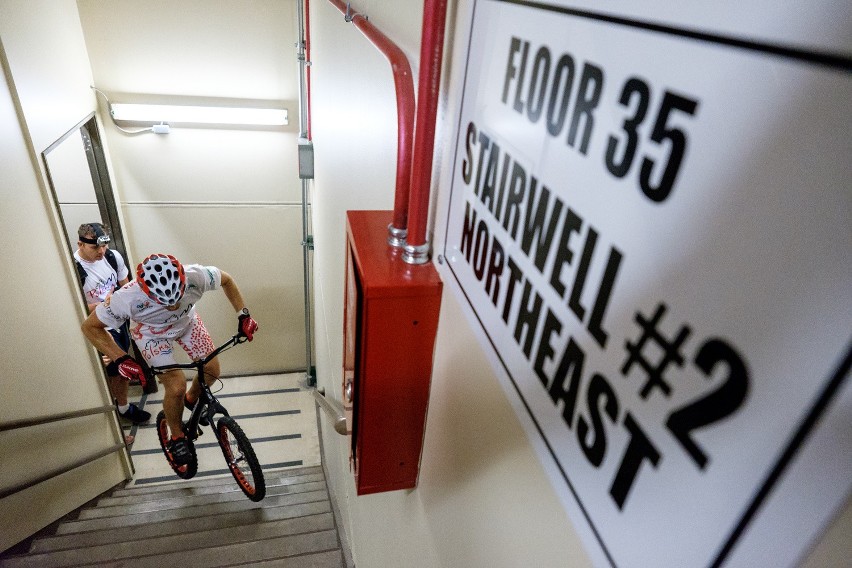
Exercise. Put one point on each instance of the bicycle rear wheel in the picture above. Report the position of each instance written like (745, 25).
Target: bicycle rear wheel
(241, 459)
(185, 471)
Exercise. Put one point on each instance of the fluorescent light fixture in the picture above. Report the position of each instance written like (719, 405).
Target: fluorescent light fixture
(199, 114)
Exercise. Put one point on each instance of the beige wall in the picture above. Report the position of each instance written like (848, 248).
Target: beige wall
(46, 366)
(226, 197)
(483, 498)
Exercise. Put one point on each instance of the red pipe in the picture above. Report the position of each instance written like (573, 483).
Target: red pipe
(308, 60)
(404, 82)
(429, 82)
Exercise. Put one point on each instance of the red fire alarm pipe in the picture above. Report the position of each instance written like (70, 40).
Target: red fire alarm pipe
(428, 89)
(308, 59)
(404, 83)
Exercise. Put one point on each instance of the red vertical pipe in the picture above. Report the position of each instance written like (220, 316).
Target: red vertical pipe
(404, 83)
(428, 88)
(308, 60)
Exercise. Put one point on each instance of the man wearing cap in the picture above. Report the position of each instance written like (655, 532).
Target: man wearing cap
(101, 272)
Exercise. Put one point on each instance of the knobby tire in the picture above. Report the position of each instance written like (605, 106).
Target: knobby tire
(241, 459)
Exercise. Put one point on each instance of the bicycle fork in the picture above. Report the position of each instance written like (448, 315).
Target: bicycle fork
(206, 406)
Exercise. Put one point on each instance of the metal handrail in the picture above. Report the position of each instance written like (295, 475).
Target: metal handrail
(16, 424)
(334, 410)
(59, 471)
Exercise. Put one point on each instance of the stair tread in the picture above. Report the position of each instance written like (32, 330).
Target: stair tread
(157, 505)
(172, 514)
(328, 559)
(224, 479)
(160, 520)
(190, 525)
(241, 553)
(183, 542)
(208, 554)
(124, 497)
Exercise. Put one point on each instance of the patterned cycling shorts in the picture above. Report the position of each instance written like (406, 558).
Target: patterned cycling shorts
(158, 351)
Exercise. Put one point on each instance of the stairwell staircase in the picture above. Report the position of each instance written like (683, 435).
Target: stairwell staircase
(201, 522)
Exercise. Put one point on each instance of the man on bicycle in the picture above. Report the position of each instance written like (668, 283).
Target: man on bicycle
(161, 302)
(101, 272)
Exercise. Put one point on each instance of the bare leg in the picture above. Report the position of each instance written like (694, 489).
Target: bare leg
(174, 382)
(211, 375)
(118, 387)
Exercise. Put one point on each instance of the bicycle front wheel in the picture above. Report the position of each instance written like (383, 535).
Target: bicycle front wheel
(241, 459)
(184, 471)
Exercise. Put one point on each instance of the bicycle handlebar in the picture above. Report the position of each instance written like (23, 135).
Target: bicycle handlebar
(235, 340)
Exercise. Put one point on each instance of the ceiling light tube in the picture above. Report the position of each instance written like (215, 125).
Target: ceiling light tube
(199, 114)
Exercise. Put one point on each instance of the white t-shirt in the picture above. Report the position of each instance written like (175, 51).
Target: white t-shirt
(153, 320)
(101, 279)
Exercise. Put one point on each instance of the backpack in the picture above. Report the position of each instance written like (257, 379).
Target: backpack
(110, 257)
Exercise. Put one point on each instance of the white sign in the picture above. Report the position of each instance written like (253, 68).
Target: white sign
(652, 228)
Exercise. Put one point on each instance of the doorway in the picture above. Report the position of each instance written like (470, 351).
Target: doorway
(82, 192)
(79, 179)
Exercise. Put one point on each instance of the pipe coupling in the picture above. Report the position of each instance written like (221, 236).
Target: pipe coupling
(396, 237)
(416, 254)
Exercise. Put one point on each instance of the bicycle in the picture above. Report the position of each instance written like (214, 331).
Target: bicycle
(235, 445)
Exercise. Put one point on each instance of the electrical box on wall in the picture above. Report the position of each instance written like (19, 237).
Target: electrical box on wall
(306, 159)
(390, 322)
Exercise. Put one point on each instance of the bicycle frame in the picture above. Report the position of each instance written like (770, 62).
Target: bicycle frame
(235, 445)
(207, 400)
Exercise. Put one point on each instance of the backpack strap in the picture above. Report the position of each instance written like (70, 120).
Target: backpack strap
(110, 257)
(81, 272)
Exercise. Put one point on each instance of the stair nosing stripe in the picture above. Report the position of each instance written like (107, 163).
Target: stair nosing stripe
(153, 451)
(209, 473)
(243, 394)
(242, 416)
(100, 525)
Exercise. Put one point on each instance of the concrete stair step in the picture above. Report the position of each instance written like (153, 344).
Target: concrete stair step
(247, 553)
(199, 484)
(330, 559)
(157, 505)
(123, 497)
(161, 520)
(222, 546)
(190, 525)
(111, 523)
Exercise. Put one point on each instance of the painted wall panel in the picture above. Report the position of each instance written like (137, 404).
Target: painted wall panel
(228, 48)
(482, 500)
(46, 366)
(259, 247)
(485, 497)
(227, 196)
(49, 80)
(41, 269)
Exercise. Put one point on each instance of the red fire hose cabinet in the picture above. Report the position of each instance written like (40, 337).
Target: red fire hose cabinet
(390, 321)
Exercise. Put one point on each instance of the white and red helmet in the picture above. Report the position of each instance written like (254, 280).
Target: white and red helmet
(161, 276)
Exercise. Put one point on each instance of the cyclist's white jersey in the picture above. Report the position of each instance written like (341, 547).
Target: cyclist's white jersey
(153, 320)
(101, 279)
